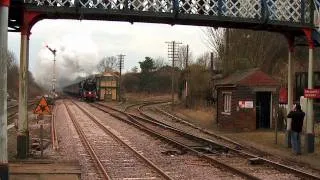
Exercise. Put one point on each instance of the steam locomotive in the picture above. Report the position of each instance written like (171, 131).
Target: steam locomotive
(85, 89)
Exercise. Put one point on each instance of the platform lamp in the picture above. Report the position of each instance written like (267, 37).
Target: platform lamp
(53, 51)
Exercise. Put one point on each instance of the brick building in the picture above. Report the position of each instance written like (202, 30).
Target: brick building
(108, 86)
(246, 100)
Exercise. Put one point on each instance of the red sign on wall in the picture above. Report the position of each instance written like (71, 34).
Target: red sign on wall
(312, 93)
(283, 96)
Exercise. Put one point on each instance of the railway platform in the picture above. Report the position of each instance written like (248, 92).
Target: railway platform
(51, 163)
(33, 170)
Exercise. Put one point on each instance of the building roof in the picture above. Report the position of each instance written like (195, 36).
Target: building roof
(116, 74)
(248, 77)
(105, 74)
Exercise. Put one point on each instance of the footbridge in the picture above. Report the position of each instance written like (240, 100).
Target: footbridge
(296, 19)
(271, 15)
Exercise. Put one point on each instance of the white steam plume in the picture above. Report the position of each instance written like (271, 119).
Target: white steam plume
(77, 55)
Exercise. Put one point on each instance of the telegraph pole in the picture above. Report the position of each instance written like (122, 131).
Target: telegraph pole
(121, 63)
(4, 16)
(53, 51)
(173, 54)
(187, 77)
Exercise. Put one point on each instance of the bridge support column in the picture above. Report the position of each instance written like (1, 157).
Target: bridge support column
(23, 133)
(29, 19)
(309, 137)
(290, 90)
(4, 15)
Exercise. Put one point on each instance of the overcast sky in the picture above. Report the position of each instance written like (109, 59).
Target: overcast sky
(81, 44)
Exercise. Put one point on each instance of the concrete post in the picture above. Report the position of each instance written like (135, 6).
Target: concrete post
(4, 14)
(290, 98)
(23, 134)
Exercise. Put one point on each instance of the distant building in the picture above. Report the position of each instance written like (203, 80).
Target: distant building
(246, 100)
(108, 86)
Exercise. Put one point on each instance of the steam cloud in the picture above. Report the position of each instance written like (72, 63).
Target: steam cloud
(75, 57)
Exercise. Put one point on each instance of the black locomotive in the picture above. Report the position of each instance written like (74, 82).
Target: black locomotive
(85, 89)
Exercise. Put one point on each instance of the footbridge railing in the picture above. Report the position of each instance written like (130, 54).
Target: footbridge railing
(271, 15)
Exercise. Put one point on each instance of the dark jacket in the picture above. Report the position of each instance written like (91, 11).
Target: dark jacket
(297, 120)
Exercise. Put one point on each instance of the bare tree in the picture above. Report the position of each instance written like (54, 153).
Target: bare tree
(216, 40)
(107, 64)
(159, 62)
(204, 60)
(240, 49)
(184, 54)
(134, 69)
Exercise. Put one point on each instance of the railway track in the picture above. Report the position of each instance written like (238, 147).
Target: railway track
(104, 144)
(251, 152)
(13, 110)
(130, 108)
(177, 140)
(227, 157)
(178, 163)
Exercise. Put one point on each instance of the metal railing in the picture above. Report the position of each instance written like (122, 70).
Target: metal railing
(291, 11)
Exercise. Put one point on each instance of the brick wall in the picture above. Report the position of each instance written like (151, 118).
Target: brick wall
(225, 121)
(241, 119)
(245, 117)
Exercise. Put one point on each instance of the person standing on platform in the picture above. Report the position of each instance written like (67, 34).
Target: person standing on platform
(297, 116)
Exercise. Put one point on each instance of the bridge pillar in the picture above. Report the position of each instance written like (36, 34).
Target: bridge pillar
(23, 133)
(309, 137)
(290, 90)
(4, 15)
(29, 19)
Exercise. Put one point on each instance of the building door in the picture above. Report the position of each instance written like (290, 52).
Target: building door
(263, 100)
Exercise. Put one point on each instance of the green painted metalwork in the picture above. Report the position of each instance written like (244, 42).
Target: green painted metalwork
(271, 15)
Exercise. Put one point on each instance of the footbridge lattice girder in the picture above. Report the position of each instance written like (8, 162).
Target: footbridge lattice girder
(272, 15)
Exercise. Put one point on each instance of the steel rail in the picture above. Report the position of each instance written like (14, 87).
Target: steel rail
(95, 119)
(55, 143)
(17, 105)
(144, 104)
(11, 107)
(198, 128)
(284, 167)
(211, 160)
(10, 116)
(85, 142)
(151, 120)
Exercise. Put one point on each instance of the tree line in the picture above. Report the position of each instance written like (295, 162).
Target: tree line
(13, 79)
(233, 50)
(238, 49)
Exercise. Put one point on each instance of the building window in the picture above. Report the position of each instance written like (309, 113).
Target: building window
(226, 102)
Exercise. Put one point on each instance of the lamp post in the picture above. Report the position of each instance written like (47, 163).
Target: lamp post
(53, 51)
